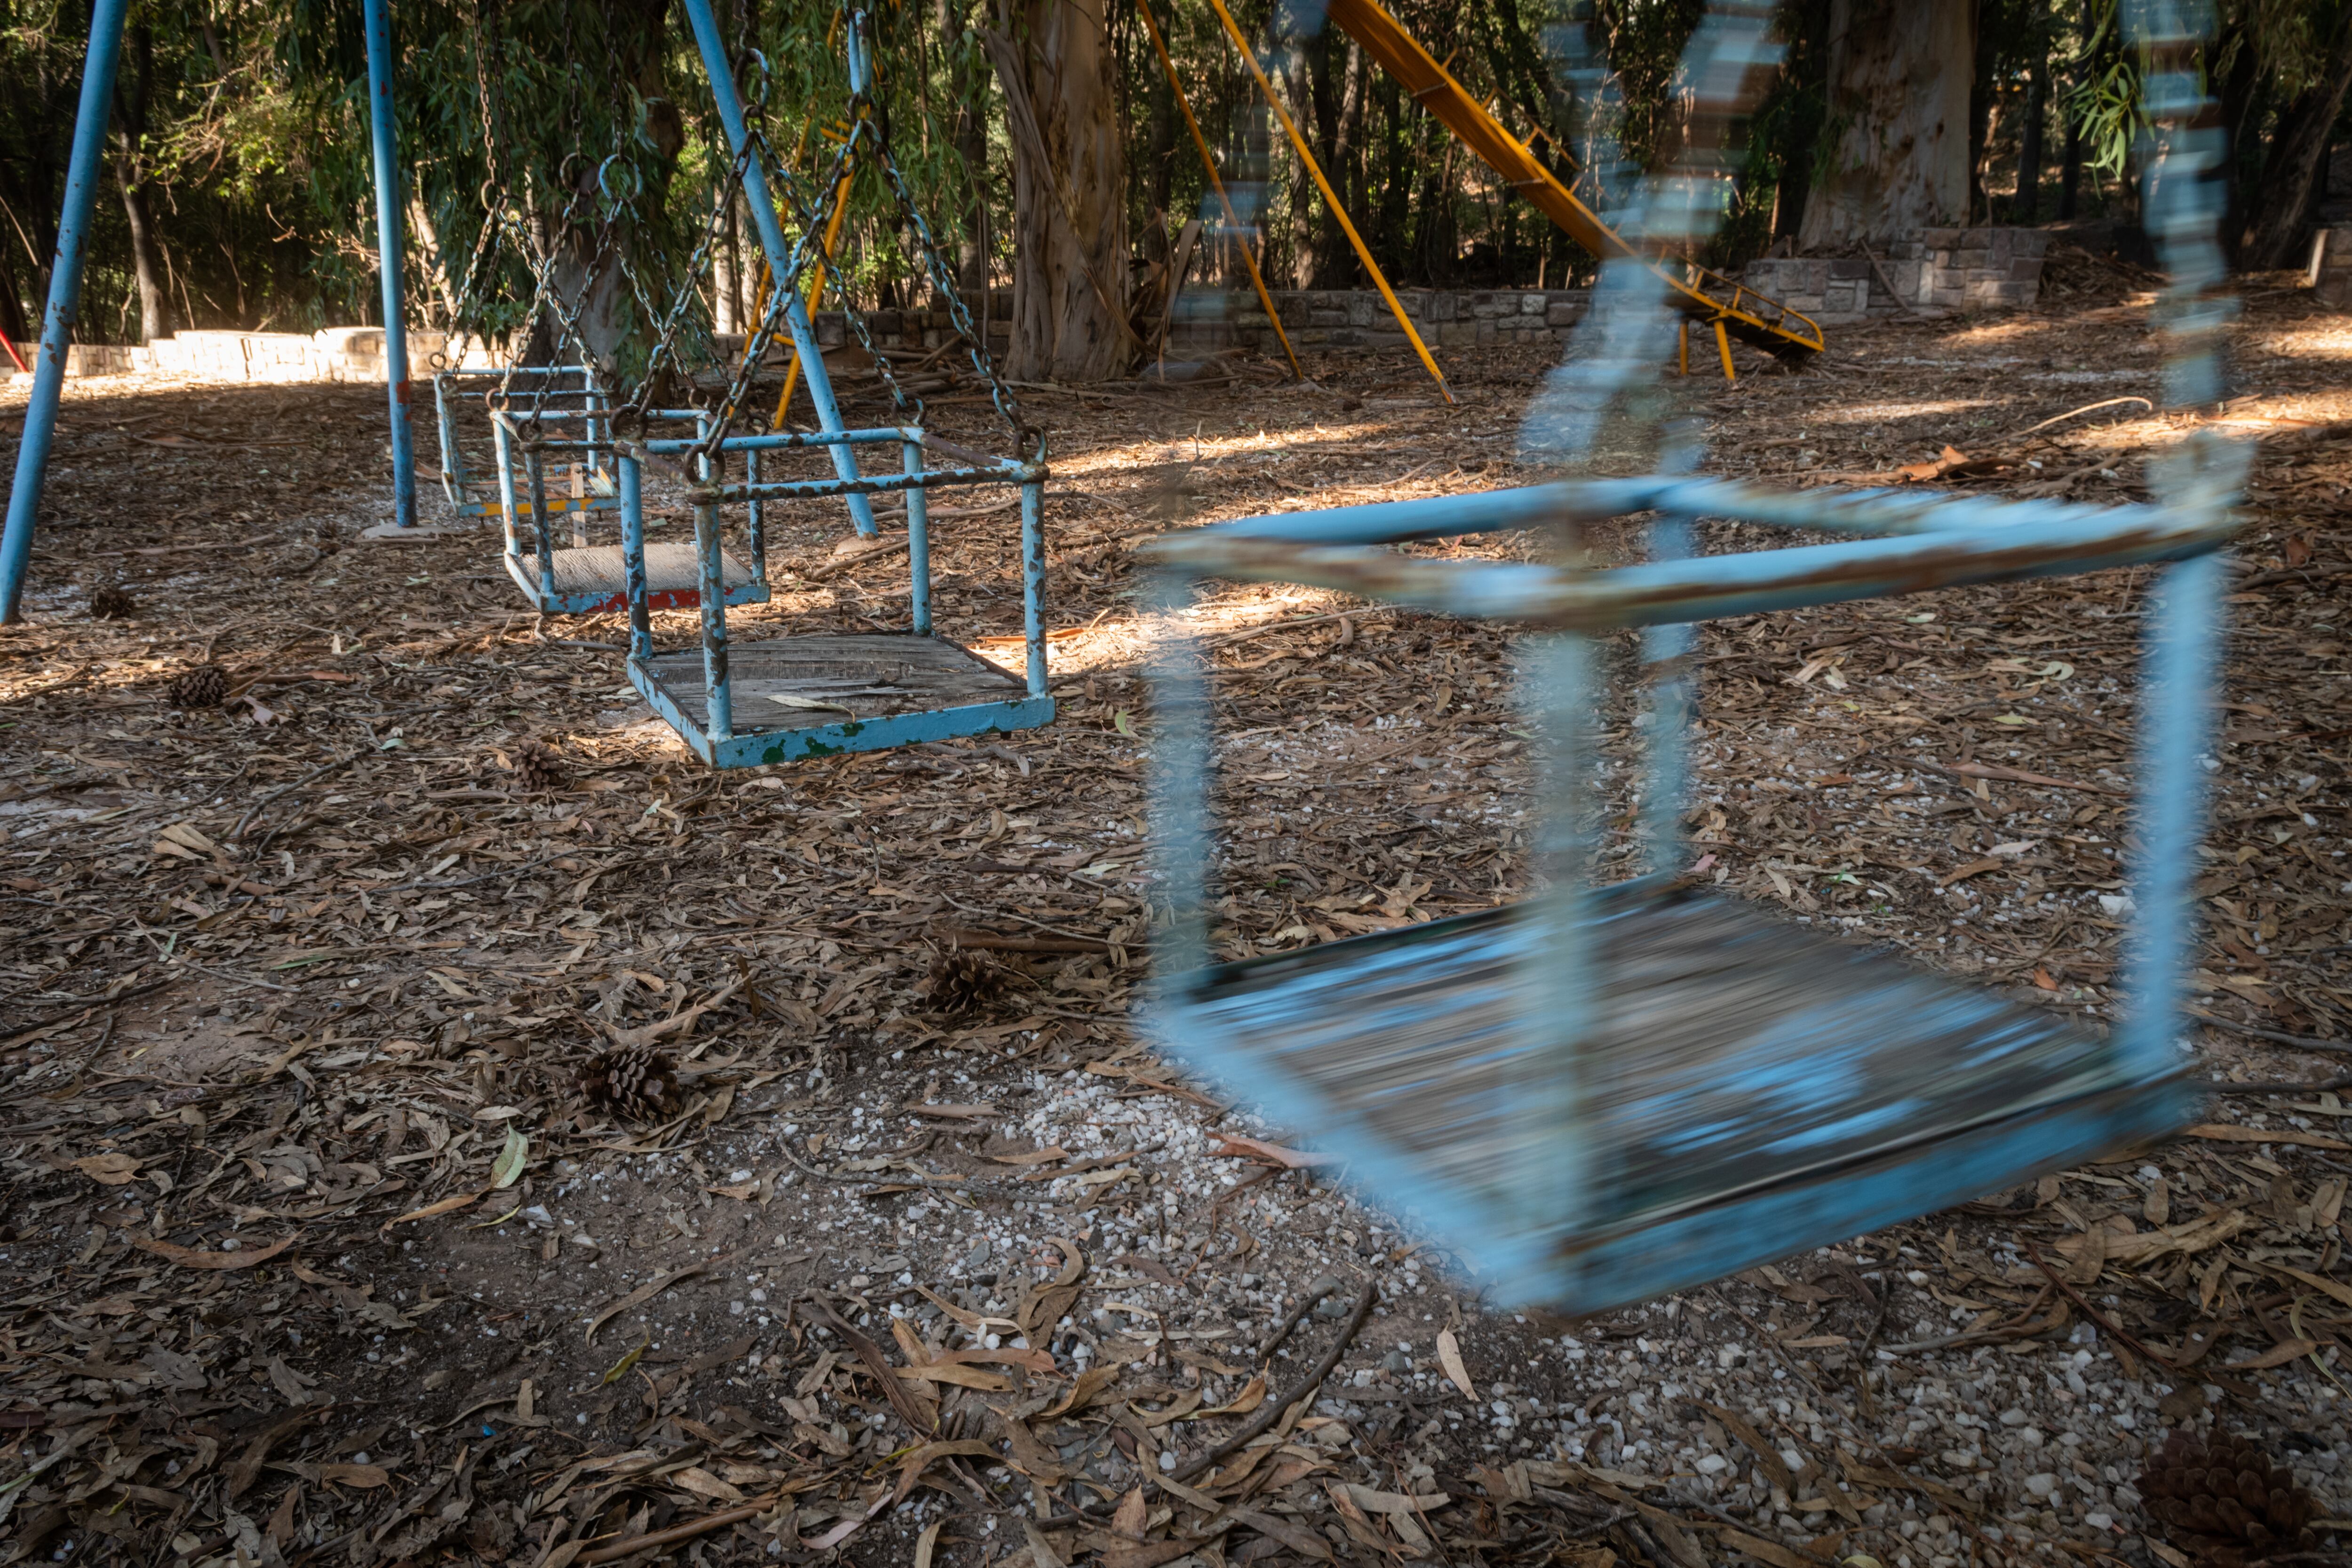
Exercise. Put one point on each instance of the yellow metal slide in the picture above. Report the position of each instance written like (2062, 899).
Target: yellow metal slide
(1731, 309)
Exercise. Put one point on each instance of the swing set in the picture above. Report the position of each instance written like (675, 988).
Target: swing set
(567, 426)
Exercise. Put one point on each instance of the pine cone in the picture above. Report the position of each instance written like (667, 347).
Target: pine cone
(539, 768)
(112, 605)
(630, 1080)
(205, 685)
(2225, 1502)
(963, 982)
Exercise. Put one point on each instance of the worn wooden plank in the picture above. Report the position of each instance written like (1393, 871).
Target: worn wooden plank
(860, 675)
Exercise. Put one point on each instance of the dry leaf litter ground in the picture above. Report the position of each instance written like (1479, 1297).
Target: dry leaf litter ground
(314, 1250)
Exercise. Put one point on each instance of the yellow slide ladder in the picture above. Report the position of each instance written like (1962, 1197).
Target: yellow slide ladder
(1733, 309)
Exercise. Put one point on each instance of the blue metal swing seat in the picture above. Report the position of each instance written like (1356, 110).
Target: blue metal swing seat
(819, 694)
(1605, 1093)
(560, 426)
(748, 704)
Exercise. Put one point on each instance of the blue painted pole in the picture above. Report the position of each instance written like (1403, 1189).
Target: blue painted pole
(536, 473)
(919, 538)
(1033, 581)
(1668, 649)
(387, 242)
(719, 691)
(82, 175)
(771, 240)
(633, 561)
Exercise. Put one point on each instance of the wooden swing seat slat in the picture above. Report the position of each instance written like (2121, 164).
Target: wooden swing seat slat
(1735, 1062)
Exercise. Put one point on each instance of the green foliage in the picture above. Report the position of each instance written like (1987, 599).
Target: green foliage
(257, 156)
(2106, 100)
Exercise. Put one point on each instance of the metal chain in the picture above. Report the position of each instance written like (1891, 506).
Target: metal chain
(782, 290)
(984, 363)
(665, 349)
(495, 200)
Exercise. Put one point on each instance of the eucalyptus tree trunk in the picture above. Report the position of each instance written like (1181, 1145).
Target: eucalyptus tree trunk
(586, 270)
(1899, 75)
(2298, 151)
(132, 90)
(1055, 61)
(12, 309)
(728, 300)
(2026, 208)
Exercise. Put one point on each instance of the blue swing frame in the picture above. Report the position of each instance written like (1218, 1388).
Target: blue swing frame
(1503, 1077)
(715, 734)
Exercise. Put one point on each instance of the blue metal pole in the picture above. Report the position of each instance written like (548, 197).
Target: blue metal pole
(508, 505)
(919, 539)
(535, 471)
(719, 691)
(1033, 581)
(2176, 698)
(633, 561)
(387, 242)
(1668, 649)
(1558, 1175)
(453, 461)
(755, 535)
(82, 175)
(771, 240)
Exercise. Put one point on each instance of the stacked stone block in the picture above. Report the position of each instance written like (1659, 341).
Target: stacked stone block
(1345, 320)
(1943, 269)
(336, 353)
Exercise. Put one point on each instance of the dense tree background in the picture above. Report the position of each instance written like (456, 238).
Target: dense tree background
(237, 171)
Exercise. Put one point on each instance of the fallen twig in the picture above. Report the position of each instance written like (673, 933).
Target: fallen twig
(852, 1178)
(687, 1532)
(1368, 612)
(1268, 1413)
(313, 776)
(2099, 1319)
(2281, 1086)
(1315, 1294)
(2077, 413)
(2301, 1042)
(104, 999)
(1273, 1409)
(1893, 293)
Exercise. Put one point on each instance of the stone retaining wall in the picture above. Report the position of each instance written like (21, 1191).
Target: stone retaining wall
(335, 353)
(1344, 320)
(1205, 321)
(1943, 269)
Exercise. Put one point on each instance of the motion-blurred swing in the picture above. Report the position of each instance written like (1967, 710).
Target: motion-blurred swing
(1605, 1093)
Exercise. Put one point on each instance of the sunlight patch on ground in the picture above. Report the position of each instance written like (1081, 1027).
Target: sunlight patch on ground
(1872, 413)
(2011, 334)
(2332, 341)
(1203, 448)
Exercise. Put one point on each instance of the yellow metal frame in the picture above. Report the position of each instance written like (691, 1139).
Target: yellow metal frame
(1208, 165)
(1733, 309)
(1363, 252)
(816, 289)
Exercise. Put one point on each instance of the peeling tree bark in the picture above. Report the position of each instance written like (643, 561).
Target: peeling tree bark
(1899, 75)
(1055, 62)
